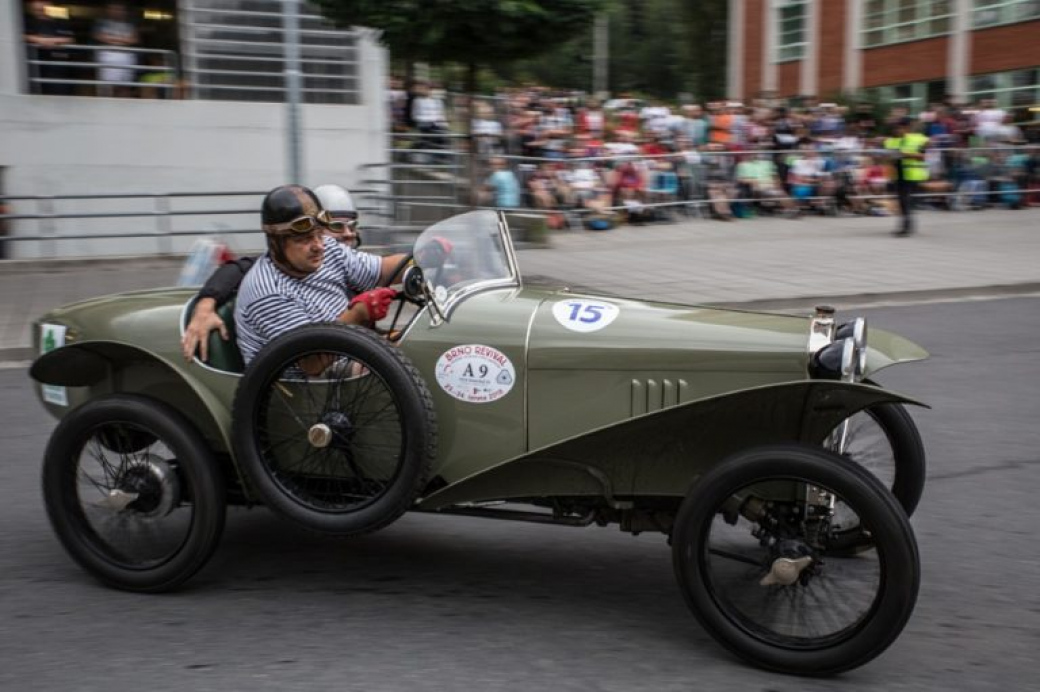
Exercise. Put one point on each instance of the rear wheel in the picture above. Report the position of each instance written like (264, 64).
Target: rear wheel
(344, 451)
(133, 492)
(751, 549)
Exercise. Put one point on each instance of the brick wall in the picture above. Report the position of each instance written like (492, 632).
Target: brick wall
(831, 61)
(789, 78)
(754, 44)
(916, 61)
(1005, 48)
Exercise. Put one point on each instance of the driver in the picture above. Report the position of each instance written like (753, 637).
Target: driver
(223, 284)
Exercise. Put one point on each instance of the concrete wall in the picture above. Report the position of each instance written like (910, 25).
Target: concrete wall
(80, 145)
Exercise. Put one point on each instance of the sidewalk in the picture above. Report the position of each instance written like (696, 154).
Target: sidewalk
(766, 263)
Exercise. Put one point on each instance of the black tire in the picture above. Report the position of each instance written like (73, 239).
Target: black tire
(884, 440)
(139, 518)
(719, 564)
(343, 453)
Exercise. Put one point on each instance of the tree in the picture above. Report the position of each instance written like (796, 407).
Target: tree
(470, 32)
(473, 33)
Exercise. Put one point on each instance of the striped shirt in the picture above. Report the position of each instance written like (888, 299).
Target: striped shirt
(271, 302)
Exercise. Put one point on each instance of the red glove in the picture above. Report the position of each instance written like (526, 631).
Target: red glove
(434, 253)
(377, 302)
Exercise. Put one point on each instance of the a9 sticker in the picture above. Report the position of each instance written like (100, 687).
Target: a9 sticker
(475, 373)
(583, 315)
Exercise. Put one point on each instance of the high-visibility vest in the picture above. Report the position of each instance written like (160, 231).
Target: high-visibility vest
(910, 143)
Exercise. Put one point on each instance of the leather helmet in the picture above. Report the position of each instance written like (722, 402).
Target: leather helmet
(287, 203)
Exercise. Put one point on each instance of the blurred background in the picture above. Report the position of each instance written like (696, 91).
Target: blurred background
(138, 127)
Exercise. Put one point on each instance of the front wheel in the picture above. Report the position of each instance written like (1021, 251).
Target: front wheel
(752, 555)
(345, 450)
(884, 440)
(133, 492)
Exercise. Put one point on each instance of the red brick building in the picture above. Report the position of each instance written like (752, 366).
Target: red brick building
(909, 51)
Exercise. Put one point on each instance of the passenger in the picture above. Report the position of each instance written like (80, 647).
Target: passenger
(341, 225)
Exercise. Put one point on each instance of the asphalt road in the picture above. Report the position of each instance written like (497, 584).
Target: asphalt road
(446, 603)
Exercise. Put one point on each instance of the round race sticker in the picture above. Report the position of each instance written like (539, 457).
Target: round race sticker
(475, 374)
(582, 315)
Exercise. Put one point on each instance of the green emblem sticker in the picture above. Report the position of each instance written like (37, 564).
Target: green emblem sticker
(52, 337)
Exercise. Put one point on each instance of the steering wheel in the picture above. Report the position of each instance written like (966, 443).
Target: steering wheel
(405, 261)
(411, 291)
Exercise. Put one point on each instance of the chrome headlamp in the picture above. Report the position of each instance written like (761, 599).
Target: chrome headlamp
(845, 358)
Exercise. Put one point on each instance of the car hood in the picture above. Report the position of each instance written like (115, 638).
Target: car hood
(576, 331)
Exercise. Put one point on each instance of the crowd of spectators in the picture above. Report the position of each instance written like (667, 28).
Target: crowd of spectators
(628, 160)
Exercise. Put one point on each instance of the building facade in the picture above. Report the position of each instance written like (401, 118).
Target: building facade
(911, 52)
(211, 117)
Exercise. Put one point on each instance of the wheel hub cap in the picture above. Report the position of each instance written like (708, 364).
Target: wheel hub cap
(319, 435)
(785, 571)
(149, 487)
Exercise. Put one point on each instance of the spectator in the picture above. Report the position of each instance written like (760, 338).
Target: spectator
(663, 187)
(160, 82)
(591, 120)
(397, 103)
(718, 169)
(532, 140)
(655, 117)
(502, 185)
(46, 36)
(428, 115)
(757, 180)
(693, 126)
(874, 182)
(487, 132)
(116, 30)
(989, 121)
(722, 124)
(811, 183)
(541, 186)
(863, 117)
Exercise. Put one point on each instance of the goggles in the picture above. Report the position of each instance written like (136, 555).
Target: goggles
(339, 227)
(301, 224)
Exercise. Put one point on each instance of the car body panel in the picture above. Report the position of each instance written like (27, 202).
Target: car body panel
(634, 406)
(661, 453)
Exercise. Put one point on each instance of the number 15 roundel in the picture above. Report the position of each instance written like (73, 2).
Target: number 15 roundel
(583, 315)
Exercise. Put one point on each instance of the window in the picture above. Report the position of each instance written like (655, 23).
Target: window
(1009, 89)
(115, 48)
(207, 49)
(895, 21)
(992, 12)
(791, 23)
(913, 96)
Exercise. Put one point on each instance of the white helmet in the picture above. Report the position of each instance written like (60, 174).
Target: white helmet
(336, 200)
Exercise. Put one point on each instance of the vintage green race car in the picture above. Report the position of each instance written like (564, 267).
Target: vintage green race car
(780, 474)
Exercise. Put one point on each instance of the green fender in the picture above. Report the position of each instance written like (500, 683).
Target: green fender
(886, 349)
(109, 367)
(662, 453)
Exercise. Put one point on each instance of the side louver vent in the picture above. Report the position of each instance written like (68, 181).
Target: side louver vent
(653, 395)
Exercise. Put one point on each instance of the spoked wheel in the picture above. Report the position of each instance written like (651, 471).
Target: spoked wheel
(751, 554)
(884, 440)
(346, 450)
(133, 492)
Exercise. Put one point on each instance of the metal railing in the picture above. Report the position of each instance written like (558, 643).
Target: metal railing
(161, 212)
(236, 51)
(422, 185)
(67, 76)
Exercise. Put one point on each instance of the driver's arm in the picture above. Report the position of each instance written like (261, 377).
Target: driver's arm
(388, 264)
